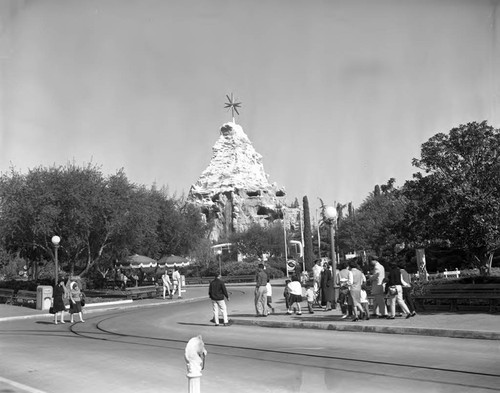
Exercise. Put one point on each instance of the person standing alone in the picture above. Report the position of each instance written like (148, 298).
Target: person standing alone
(218, 293)
(261, 292)
(176, 278)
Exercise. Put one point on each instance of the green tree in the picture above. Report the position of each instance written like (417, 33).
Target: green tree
(99, 219)
(456, 200)
(374, 226)
(308, 241)
(258, 240)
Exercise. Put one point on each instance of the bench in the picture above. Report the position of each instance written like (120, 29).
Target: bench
(455, 292)
(7, 294)
(149, 291)
(24, 297)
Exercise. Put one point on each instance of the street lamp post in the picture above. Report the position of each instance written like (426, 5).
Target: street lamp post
(219, 256)
(330, 214)
(55, 241)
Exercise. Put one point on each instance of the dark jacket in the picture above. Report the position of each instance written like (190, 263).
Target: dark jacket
(217, 290)
(394, 277)
(261, 279)
(58, 299)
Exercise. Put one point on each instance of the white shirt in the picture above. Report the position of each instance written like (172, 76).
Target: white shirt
(269, 289)
(317, 269)
(363, 298)
(295, 288)
(166, 279)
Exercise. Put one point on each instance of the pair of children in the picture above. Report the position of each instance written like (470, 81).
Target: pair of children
(293, 296)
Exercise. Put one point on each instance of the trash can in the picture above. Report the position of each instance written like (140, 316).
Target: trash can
(43, 297)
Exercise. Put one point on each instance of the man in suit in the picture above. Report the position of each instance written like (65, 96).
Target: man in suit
(377, 279)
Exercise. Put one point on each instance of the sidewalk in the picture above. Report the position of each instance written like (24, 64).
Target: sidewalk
(442, 324)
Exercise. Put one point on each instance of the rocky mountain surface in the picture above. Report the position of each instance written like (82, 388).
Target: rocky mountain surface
(234, 191)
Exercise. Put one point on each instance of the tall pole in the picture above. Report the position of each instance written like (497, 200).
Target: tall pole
(286, 243)
(334, 254)
(56, 247)
(219, 254)
(319, 237)
(334, 258)
(302, 238)
(330, 216)
(55, 242)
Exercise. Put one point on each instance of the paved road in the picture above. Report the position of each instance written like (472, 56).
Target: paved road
(141, 350)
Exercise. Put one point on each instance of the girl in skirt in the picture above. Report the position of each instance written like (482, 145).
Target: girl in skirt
(295, 289)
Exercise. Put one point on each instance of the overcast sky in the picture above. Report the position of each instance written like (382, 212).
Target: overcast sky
(337, 96)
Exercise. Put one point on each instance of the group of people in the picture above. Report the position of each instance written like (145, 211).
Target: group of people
(387, 290)
(139, 277)
(67, 291)
(171, 287)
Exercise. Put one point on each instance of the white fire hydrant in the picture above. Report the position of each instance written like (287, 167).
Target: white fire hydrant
(194, 355)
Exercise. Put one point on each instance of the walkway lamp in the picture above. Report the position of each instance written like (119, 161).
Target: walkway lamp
(330, 216)
(55, 241)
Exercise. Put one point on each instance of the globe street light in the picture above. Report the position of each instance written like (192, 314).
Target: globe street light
(330, 215)
(55, 241)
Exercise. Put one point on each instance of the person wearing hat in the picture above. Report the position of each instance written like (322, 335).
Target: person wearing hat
(261, 292)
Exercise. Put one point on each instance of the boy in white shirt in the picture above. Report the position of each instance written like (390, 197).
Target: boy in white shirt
(269, 289)
(310, 298)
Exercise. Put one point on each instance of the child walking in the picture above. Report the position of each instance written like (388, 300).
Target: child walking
(286, 295)
(295, 289)
(310, 296)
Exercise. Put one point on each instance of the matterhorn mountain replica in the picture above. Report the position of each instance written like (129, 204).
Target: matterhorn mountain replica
(233, 192)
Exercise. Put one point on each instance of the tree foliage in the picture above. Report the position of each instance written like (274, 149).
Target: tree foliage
(308, 241)
(456, 199)
(373, 227)
(99, 219)
(257, 240)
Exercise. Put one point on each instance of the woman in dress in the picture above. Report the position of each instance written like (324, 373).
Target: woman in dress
(58, 307)
(358, 278)
(75, 305)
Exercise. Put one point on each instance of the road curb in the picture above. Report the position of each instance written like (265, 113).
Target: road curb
(106, 306)
(371, 329)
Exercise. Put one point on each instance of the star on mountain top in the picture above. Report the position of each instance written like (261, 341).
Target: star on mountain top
(232, 105)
